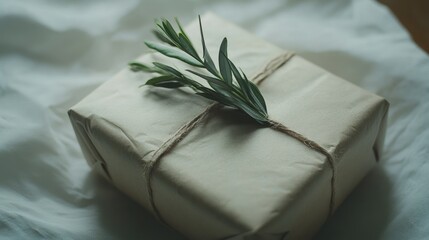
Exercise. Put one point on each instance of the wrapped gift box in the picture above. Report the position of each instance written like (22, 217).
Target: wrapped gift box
(230, 178)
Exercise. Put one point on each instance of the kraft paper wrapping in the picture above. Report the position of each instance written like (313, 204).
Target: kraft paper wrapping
(230, 178)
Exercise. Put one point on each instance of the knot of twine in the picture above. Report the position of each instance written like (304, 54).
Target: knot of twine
(183, 131)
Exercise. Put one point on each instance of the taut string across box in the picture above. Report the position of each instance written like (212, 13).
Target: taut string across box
(183, 131)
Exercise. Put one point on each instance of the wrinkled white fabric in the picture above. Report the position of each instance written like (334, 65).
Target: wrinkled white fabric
(52, 53)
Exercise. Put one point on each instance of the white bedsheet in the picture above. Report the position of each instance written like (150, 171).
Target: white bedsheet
(52, 53)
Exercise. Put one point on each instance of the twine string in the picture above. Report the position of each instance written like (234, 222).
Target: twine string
(183, 131)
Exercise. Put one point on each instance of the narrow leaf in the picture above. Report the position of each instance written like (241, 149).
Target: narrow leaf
(215, 83)
(241, 82)
(168, 69)
(212, 95)
(162, 37)
(159, 79)
(165, 82)
(191, 83)
(208, 78)
(250, 111)
(171, 84)
(169, 30)
(173, 53)
(253, 94)
(182, 31)
(208, 62)
(187, 47)
(257, 97)
(136, 67)
(225, 69)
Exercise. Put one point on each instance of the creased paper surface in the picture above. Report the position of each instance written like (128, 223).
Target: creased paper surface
(231, 179)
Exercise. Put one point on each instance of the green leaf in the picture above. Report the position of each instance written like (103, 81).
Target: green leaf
(251, 112)
(225, 69)
(170, 84)
(162, 37)
(208, 78)
(187, 47)
(136, 67)
(165, 81)
(169, 30)
(163, 31)
(191, 83)
(182, 31)
(208, 62)
(215, 96)
(252, 94)
(214, 83)
(158, 79)
(241, 82)
(257, 97)
(173, 53)
(168, 69)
